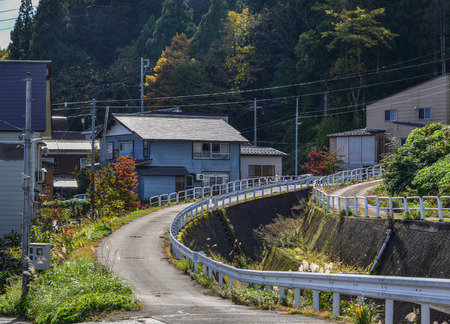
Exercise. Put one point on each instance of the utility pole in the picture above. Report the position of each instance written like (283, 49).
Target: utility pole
(296, 139)
(105, 126)
(147, 65)
(92, 154)
(254, 121)
(26, 185)
(444, 68)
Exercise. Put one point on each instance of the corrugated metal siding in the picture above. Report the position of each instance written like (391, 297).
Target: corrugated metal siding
(12, 95)
(11, 197)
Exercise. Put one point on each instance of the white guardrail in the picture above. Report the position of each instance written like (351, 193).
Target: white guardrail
(424, 291)
(219, 189)
(367, 205)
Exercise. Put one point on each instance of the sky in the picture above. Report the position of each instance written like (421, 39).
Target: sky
(9, 10)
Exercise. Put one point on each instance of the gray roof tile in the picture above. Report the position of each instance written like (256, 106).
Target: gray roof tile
(255, 150)
(358, 132)
(180, 128)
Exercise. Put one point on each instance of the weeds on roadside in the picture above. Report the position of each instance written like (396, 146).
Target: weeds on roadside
(361, 313)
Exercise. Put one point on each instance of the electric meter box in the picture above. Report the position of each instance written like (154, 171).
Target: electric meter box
(39, 255)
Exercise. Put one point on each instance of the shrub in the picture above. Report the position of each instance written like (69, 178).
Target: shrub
(424, 147)
(433, 179)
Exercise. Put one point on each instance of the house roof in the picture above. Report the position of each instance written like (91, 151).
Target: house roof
(68, 145)
(180, 128)
(358, 132)
(256, 150)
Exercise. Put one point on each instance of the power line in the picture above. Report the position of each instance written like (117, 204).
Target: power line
(275, 88)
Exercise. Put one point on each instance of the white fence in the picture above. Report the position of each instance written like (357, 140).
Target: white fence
(377, 206)
(423, 291)
(219, 189)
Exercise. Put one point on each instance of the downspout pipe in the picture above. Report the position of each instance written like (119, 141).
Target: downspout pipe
(386, 241)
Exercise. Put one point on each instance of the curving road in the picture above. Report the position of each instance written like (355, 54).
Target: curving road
(136, 253)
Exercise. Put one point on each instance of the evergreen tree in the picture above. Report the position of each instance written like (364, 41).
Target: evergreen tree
(210, 26)
(21, 35)
(175, 18)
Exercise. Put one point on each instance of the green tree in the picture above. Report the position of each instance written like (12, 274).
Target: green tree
(424, 147)
(210, 26)
(354, 32)
(20, 46)
(175, 18)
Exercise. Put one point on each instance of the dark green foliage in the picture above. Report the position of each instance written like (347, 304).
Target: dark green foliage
(210, 26)
(175, 18)
(434, 179)
(95, 47)
(19, 49)
(423, 148)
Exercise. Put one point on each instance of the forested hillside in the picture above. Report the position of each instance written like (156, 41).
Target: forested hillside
(217, 56)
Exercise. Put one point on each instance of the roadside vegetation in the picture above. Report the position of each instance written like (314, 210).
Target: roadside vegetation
(419, 168)
(77, 288)
(283, 233)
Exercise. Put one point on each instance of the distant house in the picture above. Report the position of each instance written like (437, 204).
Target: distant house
(394, 117)
(412, 108)
(174, 152)
(260, 161)
(12, 123)
(66, 156)
(358, 148)
(67, 152)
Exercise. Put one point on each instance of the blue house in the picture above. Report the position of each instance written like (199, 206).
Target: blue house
(175, 152)
(12, 123)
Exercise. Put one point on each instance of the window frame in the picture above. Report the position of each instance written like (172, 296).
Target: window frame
(211, 151)
(390, 112)
(146, 148)
(424, 113)
(109, 154)
(131, 143)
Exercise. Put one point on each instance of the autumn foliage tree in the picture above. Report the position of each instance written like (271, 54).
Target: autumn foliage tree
(322, 162)
(114, 187)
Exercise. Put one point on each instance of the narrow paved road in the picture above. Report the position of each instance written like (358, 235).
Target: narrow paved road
(168, 295)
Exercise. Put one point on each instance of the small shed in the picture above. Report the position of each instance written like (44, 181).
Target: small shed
(260, 161)
(358, 148)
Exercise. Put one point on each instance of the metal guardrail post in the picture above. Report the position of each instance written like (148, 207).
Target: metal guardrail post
(297, 299)
(316, 300)
(336, 304)
(389, 311)
(425, 313)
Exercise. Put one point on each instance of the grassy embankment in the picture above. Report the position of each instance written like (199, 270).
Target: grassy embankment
(77, 288)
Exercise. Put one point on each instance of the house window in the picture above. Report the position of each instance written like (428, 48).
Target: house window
(126, 148)
(215, 178)
(403, 141)
(390, 115)
(424, 113)
(109, 151)
(84, 161)
(206, 150)
(255, 171)
(146, 148)
(189, 182)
